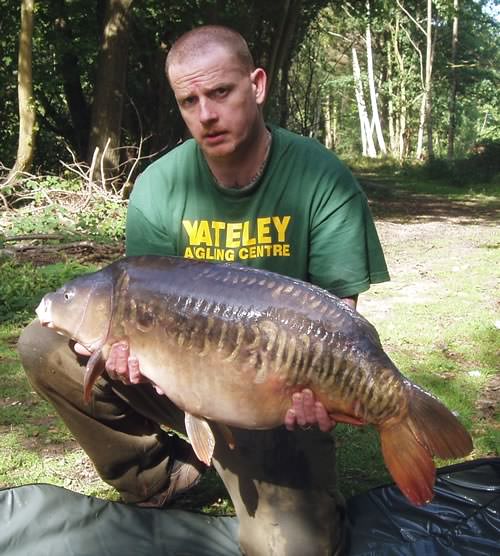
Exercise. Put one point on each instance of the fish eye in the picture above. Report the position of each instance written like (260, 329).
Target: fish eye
(68, 295)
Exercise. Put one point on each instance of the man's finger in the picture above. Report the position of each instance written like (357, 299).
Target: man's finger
(121, 363)
(298, 409)
(325, 424)
(308, 407)
(117, 362)
(134, 373)
(290, 420)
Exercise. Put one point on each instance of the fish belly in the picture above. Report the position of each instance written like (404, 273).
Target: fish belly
(218, 390)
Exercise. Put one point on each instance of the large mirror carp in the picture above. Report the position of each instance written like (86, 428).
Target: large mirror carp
(231, 344)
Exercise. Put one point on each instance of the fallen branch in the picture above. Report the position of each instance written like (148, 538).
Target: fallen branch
(60, 246)
(32, 236)
(83, 251)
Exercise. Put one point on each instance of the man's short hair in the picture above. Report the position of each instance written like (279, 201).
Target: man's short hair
(202, 38)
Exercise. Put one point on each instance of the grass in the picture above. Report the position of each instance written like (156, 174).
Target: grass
(436, 318)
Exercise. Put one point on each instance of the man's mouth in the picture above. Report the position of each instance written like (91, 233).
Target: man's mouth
(214, 136)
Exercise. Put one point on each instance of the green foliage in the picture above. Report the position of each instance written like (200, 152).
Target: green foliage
(50, 205)
(321, 75)
(23, 285)
(8, 78)
(104, 221)
(469, 176)
(482, 166)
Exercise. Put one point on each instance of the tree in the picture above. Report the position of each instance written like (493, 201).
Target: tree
(107, 106)
(68, 65)
(426, 103)
(27, 112)
(371, 84)
(364, 122)
(397, 88)
(452, 99)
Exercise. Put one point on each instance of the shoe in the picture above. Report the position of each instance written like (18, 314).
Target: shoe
(185, 474)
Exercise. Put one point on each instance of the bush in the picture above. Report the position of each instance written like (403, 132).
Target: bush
(481, 166)
(23, 285)
(103, 221)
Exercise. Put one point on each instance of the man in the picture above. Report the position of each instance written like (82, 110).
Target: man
(239, 191)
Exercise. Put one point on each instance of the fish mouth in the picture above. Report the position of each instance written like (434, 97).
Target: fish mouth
(43, 313)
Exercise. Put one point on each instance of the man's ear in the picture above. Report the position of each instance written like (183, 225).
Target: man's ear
(259, 82)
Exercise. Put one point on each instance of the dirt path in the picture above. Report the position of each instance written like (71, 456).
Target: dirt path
(423, 234)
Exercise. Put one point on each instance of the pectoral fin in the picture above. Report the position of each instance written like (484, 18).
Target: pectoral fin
(201, 437)
(93, 370)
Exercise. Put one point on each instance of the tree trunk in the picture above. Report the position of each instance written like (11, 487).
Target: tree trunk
(327, 115)
(371, 86)
(365, 128)
(107, 107)
(334, 111)
(402, 139)
(283, 96)
(452, 99)
(393, 142)
(69, 68)
(426, 104)
(27, 113)
(283, 41)
(429, 61)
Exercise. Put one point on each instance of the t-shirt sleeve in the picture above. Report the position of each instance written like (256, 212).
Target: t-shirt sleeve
(145, 235)
(345, 252)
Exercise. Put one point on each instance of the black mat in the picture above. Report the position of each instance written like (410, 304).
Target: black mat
(463, 520)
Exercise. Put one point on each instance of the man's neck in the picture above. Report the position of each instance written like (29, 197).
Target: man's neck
(242, 171)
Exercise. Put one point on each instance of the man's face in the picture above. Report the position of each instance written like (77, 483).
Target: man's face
(218, 100)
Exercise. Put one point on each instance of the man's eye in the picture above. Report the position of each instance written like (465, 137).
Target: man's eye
(189, 101)
(221, 92)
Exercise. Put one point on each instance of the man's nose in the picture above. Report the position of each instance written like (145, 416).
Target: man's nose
(207, 111)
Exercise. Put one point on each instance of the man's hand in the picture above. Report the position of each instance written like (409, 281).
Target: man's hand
(120, 365)
(306, 411)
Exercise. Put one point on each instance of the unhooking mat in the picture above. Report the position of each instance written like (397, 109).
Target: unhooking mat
(462, 520)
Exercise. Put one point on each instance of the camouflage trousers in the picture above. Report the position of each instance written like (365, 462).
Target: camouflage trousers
(282, 484)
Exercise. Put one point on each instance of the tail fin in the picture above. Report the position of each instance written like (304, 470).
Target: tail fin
(429, 429)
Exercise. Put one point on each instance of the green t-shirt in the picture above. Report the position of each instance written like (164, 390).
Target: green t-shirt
(306, 217)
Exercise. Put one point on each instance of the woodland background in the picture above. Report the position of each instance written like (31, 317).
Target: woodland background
(84, 95)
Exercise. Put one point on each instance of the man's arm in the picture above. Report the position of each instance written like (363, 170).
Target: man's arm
(351, 301)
